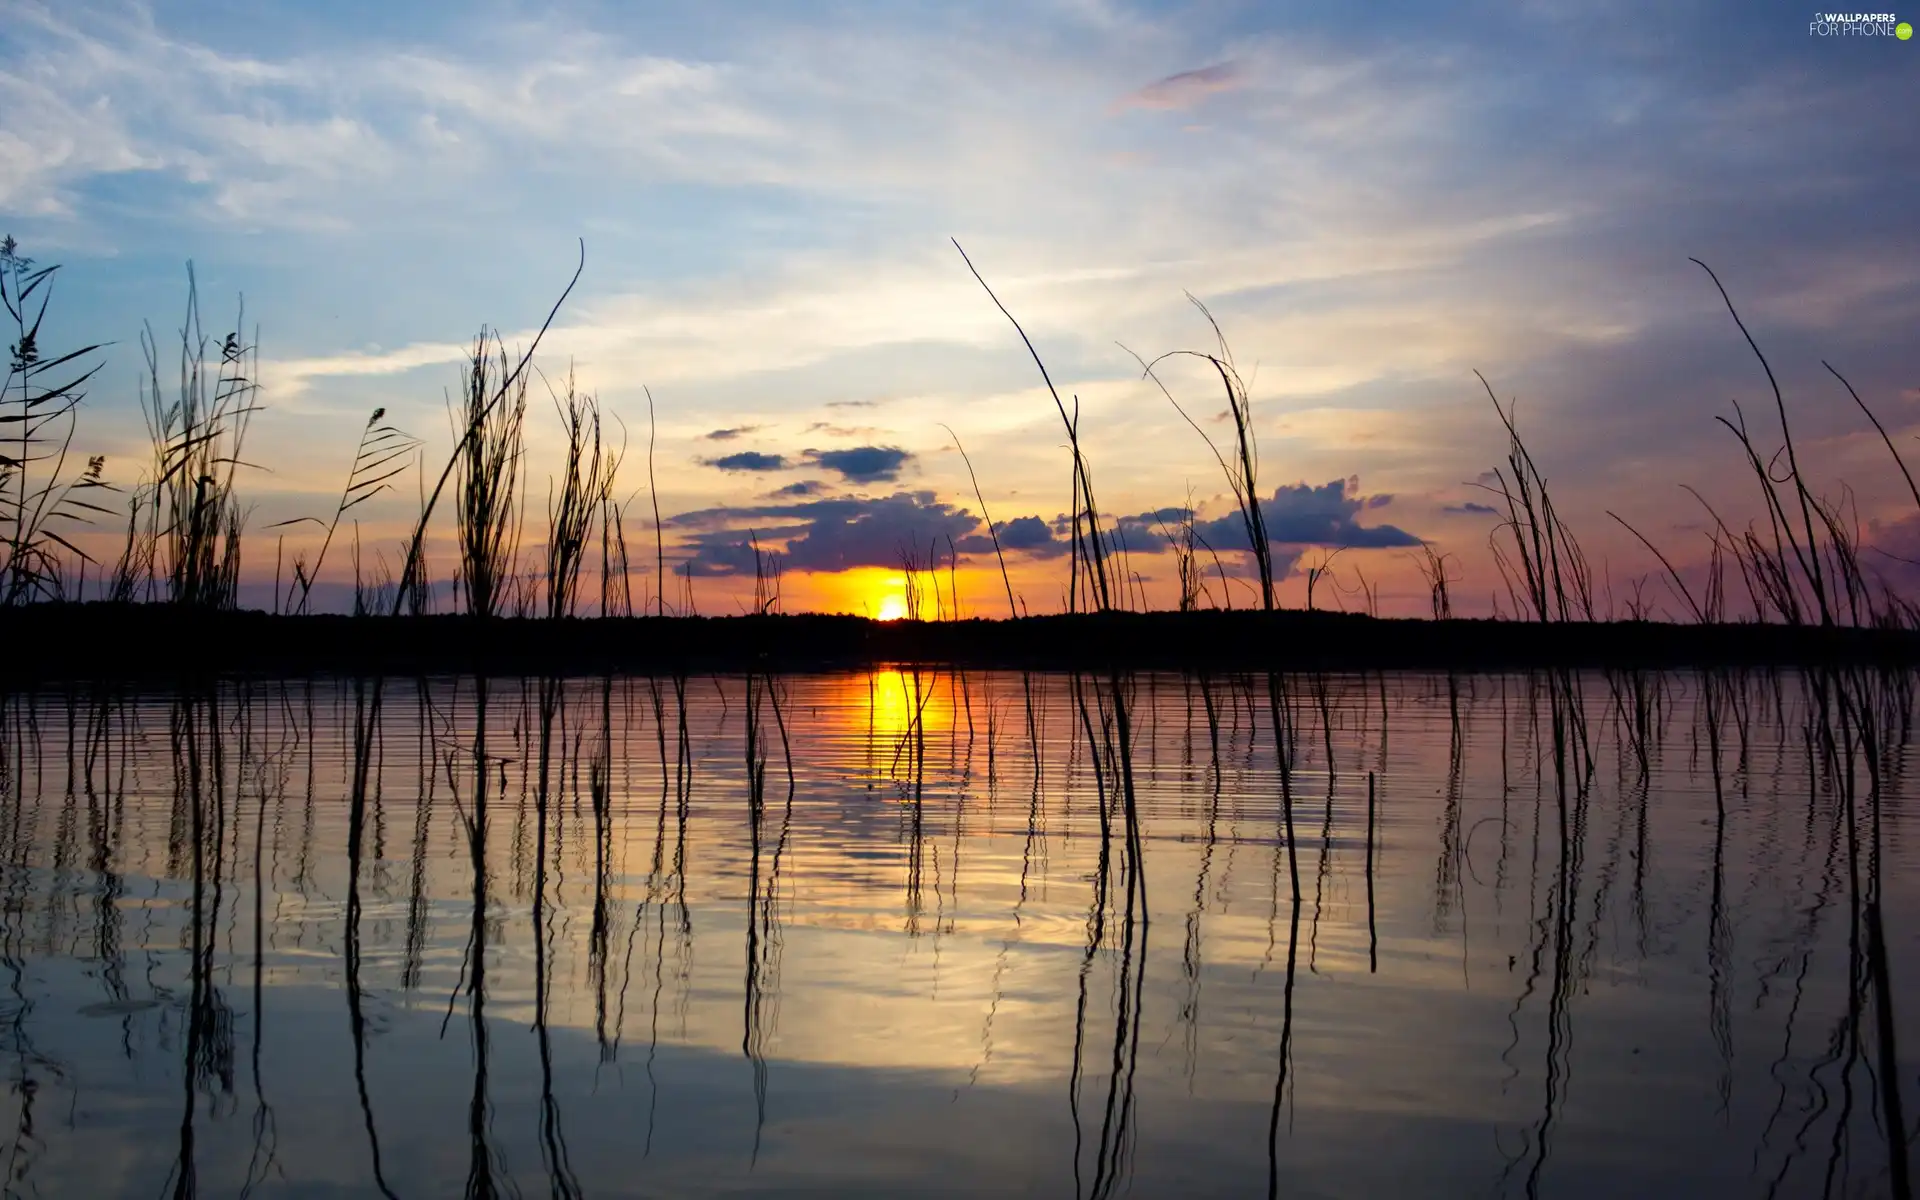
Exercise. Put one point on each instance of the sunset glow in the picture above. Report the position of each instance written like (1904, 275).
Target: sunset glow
(894, 700)
(805, 387)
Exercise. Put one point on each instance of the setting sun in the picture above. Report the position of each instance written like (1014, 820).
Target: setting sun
(892, 608)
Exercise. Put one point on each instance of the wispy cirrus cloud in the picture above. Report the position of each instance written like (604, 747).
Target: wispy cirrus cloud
(288, 377)
(1187, 88)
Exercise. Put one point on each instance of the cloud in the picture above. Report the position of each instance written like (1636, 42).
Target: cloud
(727, 435)
(1286, 561)
(827, 535)
(1155, 522)
(1471, 507)
(748, 460)
(1301, 515)
(285, 378)
(1186, 89)
(796, 491)
(863, 464)
(1420, 230)
(1032, 536)
(1296, 515)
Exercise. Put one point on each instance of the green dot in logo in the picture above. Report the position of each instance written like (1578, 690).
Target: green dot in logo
(1903, 31)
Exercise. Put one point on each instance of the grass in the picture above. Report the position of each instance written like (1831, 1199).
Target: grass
(1547, 575)
(584, 495)
(373, 472)
(1091, 553)
(1102, 698)
(481, 480)
(1806, 564)
(487, 513)
(1241, 471)
(192, 537)
(39, 406)
(1802, 561)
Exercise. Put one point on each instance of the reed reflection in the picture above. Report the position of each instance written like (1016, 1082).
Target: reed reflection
(1679, 887)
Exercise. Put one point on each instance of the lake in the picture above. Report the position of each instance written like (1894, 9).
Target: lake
(918, 932)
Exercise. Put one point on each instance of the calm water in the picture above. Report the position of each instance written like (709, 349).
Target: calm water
(852, 935)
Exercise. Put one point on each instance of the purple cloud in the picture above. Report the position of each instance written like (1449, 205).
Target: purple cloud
(1186, 89)
(827, 535)
(863, 464)
(747, 460)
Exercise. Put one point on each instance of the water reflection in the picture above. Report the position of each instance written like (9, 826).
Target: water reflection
(1523, 935)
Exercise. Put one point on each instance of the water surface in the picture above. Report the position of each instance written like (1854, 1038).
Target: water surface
(916, 932)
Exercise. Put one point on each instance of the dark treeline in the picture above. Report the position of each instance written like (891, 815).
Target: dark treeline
(155, 642)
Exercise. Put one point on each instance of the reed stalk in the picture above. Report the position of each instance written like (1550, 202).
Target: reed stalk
(586, 487)
(486, 515)
(1088, 548)
(413, 574)
(194, 515)
(40, 400)
(381, 446)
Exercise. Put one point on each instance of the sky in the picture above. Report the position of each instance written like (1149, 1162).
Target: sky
(1373, 201)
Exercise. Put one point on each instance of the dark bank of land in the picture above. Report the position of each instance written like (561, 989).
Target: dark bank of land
(158, 642)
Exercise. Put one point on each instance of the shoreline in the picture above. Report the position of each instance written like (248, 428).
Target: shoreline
(106, 641)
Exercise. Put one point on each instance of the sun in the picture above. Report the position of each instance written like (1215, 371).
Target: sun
(892, 608)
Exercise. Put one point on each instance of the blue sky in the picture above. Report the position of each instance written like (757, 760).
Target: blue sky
(1374, 200)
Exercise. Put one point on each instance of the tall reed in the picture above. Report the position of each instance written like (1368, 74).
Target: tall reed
(480, 417)
(586, 486)
(1242, 475)
(1805, 563)
(36, 488)
(766, 578)
(487, 515)
(1089, 550)
(381, 446)
(1433, 569)
(616, 598)
(1182, 538)
(1550, 577)
(986, 519)
(1242, 472)
(194, 517)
